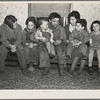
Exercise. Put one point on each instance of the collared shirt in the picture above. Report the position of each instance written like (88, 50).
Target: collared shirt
(59, 33)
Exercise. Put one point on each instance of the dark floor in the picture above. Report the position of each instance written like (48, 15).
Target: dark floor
(14, 79)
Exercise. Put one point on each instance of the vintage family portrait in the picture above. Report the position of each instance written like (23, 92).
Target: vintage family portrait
(50, 45)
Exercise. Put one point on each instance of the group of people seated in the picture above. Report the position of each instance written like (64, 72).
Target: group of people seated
(45, 38)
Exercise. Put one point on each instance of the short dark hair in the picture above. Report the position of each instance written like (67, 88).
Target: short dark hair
(40, 20)
(75, 14)
(31, 19)
(94, 22)
(54, 15)
(10, 20)
(83, 22)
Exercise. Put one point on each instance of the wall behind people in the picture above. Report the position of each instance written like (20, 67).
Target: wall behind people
(19, 10)
(89, 11)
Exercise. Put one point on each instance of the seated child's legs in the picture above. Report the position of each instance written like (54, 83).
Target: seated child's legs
(98, 55)
(27, 54)
(51, 49)
(34, 55)
(21, 56)
(83, 50)
(48, 47)
(69, 49)
(91, 54)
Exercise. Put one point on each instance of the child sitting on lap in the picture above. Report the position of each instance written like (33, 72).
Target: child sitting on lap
(45, 35)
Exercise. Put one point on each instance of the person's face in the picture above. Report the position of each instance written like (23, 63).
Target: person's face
(30, 25)
(55, 22)
(15, 25)
(79, 27)
(44, 25)
(96, 27)
(73, 20)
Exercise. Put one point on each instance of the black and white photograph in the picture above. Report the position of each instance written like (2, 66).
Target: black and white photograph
(50, 45)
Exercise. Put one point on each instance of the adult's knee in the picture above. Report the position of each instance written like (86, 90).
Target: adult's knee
(20, 48)
(83, 46)
(3, 49)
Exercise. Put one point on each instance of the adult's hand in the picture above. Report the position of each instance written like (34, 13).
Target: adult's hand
(57, 42)
(51, 40)
(31, 45)
(90, 44)
(13, 49)
(27, 44)
(44, 39)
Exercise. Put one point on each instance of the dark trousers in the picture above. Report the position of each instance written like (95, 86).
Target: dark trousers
(82, 49)
(60, 51)
(20, 54)
(43, 56)
(31, 54)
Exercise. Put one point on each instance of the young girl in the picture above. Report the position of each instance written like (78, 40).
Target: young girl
(45, 34)
(78, 38)
(94, 44)
(30, 46)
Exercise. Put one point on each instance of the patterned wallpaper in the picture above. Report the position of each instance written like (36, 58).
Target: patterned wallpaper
(89, 11)
(19, 10)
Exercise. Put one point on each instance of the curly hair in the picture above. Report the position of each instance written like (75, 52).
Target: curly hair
(75, 14)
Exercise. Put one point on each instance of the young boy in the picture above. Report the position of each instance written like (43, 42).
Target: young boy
(78, 38)
(45, 34)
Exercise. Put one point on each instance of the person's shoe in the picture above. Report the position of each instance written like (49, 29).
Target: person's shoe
(31, 69)
(84, 57)
(68, 57)
(1, 72)
(98, 71)
(31, 64)
(90, 71)
(28, 65)
(51, 56)
(25, 71)
(45, 71)
(78, 73)
(71, 73)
